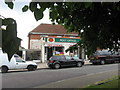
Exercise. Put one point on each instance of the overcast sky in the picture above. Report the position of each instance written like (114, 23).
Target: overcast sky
(25, 20)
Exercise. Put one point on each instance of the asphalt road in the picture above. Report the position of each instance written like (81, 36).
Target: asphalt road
(45, 77)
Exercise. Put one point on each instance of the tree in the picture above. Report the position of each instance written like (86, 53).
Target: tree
(10, 41)
(100, 21)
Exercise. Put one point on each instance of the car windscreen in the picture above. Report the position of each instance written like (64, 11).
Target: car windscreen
(75, 57)
(61, 57)
(103, 52)
(115, 53)
(53, 58)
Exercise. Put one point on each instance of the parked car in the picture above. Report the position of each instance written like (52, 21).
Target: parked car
(104, 56)
(15, 63)
(63, 61)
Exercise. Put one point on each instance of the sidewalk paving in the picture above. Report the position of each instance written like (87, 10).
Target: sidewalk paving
(42, 65)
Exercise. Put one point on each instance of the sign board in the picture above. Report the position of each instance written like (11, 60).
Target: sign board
(69, 40)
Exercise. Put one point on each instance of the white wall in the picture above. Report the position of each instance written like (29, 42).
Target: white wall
(35, 44)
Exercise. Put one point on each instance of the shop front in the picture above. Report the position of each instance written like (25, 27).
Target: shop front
(53, 50)
(52, 39)
(53, 46)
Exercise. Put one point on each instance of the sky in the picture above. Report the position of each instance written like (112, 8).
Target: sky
(25, 20)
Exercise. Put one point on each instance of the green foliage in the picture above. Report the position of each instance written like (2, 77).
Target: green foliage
(108, 83)
(100, 21)
(53, 14)
(88, 4)
(38, 13)
(25, 8)
(10, 41)
(33, 6)
(9, 3)
(74, 47)
(38, 8)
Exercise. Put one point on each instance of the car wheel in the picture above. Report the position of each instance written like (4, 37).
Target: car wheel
(102, 62)
(57, 66)
(79, 64)
(4, 69)
(31, 68)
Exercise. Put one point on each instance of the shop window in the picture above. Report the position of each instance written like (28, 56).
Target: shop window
(33, 55)
(71, 51)
(59, 49)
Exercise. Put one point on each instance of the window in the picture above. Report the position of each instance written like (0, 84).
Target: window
(115, 53)
(75, 57)
(60, 58)
(103, 53)
(53, 58)
(19, 60)
(16, 56)
(68, 57)
(57, 58)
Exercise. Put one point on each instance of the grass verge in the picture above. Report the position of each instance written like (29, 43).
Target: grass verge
(108, 83)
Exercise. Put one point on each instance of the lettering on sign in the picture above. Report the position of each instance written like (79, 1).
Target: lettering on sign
(66, 40)
(62, 40)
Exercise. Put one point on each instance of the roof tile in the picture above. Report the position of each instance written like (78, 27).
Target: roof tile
(49, 28)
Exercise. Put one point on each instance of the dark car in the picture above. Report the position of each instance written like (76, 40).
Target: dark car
(104, 56)
(64, 60)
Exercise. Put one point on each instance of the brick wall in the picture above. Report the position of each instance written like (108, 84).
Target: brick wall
(30, 36)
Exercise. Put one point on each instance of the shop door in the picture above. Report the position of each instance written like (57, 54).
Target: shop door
(50, 52)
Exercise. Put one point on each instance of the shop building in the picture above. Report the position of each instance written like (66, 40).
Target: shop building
(50, 39)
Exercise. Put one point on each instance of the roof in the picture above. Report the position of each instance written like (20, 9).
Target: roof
(51, 29)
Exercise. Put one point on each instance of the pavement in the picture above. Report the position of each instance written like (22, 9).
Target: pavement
(44, 65)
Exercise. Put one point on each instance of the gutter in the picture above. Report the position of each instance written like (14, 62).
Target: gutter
(52, 34)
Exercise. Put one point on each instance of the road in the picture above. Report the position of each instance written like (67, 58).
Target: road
(46, 77)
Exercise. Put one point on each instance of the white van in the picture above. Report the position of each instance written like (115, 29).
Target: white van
(15, 63)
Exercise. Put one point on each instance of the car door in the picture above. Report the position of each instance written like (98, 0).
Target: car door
(20, 64)
(75, 60)
(62, 60)
(107, 55)
(70, 61)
